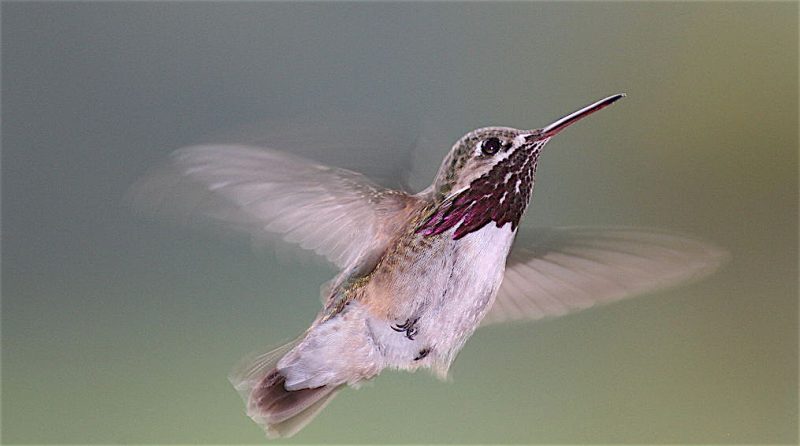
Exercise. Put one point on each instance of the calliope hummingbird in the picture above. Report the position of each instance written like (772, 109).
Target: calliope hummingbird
(420, 272)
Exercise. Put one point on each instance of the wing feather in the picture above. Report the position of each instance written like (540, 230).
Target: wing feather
(334, 212)
(556, 271)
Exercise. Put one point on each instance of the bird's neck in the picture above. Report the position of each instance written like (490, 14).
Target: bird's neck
(499, 196)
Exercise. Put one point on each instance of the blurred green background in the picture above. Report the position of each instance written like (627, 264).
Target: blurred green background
(121, 329)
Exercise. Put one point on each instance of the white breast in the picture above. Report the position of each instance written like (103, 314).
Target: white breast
(459, 285)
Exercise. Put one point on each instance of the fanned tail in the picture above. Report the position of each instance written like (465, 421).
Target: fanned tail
(280, 412)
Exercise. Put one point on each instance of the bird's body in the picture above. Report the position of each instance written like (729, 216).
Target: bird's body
(415, 308)
(412, 305)
(419, 273)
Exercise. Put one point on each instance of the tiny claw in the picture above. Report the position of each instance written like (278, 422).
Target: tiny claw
(409, 326)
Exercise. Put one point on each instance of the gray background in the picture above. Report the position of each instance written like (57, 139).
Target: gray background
(118, 328)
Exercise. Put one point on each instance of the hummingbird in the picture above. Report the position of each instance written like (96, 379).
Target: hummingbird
(419, 273)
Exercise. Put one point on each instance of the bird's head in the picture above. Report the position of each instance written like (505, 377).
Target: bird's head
(489, 174)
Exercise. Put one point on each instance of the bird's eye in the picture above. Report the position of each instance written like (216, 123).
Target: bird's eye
(491, 146)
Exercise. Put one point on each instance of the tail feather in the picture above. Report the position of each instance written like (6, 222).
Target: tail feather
(280, 412)
(292, 425)
(271, 401)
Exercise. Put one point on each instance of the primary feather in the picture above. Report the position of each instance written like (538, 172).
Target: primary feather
(554, 271)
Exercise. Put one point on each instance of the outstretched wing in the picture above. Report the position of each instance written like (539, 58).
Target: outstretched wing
(552, 272)
(335, 212)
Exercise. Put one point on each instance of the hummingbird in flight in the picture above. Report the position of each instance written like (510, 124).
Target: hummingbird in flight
(419, 273)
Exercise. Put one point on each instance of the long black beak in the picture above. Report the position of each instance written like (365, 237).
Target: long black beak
(566, 121)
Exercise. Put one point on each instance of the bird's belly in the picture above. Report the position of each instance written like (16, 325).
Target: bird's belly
(441, 297)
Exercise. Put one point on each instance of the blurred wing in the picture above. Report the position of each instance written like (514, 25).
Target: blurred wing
(335, 212)
(568, 269)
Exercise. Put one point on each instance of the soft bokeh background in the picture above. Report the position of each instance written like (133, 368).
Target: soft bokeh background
(121, 329)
